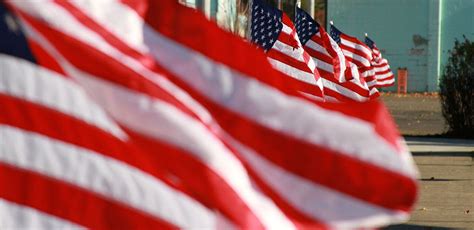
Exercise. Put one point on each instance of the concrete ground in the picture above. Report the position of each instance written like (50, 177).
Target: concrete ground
(446, 198)
(416, 114)
(446, 184)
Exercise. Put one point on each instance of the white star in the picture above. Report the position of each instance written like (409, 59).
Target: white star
(12, 25)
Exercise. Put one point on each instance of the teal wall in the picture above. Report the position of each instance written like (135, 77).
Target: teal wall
(416, 34)
(190, 3)
(199, 3)
(457, 20)
(401, 29)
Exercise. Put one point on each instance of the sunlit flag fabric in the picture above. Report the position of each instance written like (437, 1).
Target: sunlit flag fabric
(359, 54)
(340, 83)
(383, 73)
(368, 74)
(274, 32)
(127, 121)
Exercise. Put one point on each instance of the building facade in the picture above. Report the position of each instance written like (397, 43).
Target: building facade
(416, 34)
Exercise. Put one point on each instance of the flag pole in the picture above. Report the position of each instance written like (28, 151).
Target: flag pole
(249, 21)
(297, 4)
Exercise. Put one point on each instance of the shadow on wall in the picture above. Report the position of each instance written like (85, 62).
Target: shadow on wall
(419, 40)
(421, 45)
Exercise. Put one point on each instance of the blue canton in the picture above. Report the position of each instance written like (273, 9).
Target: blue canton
(306, 27)
(12, 39)
(266, 24)
(369, 42)
(335, 34)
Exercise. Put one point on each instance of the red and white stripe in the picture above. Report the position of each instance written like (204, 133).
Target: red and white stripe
(376, 53)
(368, 74)
(383, 76)
(56, 139)
(359, 54)
(288, 56)
(206, 152)
(328, 58)
(195, 136)
(383, 73)
(355, 51)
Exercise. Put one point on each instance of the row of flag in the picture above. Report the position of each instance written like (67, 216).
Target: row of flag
(143, 114)
(332, 67)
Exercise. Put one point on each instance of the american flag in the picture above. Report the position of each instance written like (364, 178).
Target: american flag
(368, 74)
(274, 32)
(354, 50)
(340, 80)
(358, 53)
(383, 73)
(143, 114)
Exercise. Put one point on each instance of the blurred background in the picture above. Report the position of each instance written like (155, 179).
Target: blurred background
(416, 34)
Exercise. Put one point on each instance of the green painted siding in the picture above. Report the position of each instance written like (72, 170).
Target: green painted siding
(457, 20)
(416, 34)
(399, 27)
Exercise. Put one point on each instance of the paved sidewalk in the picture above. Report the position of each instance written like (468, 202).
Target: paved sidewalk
(446, 184)
(419, 144)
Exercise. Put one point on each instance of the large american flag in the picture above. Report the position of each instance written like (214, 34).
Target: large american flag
(383, 73)
(341, 79)
(274, 32)
(358, 53)
(143, 114)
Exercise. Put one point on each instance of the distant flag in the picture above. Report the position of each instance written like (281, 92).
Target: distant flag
(315, 37)
(359, 54)
(354, 50)
(376, 54)
(340, 78)
(368, 74)
(383, 73)
(274, 32)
